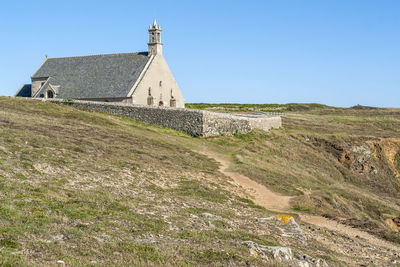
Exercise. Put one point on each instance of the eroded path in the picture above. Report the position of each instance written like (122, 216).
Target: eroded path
(261, 194)
(270, 200)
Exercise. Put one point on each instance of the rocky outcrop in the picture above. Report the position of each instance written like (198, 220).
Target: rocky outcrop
(358, 158)
(284, 255)
(393, 224)
(286, 224)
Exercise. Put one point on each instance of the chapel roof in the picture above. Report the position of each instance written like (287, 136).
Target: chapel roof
(98, 76)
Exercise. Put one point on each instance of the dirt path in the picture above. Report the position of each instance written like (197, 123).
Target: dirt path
(265, 197)
(273, 201)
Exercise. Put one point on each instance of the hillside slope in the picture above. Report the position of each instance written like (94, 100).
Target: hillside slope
(92, 188)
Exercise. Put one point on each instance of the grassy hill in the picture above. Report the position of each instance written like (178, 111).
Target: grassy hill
(91, 188)
(302, 108)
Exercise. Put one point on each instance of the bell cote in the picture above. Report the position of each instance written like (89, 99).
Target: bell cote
(155, 45)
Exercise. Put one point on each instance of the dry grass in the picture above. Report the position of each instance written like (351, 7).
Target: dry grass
(92, 188)
(308, 159)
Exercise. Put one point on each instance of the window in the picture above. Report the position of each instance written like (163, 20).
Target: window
(160, 83)
(172, 102)
(150, 100)
(50, 94)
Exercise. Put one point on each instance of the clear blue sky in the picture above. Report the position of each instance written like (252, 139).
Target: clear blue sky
(341, 52)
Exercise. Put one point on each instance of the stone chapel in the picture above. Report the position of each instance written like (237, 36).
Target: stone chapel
(138, 78)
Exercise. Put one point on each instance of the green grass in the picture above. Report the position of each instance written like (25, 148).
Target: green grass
(195, 190)
(106, 183)
(301, 208)
(101, 182)
(227, 236)
(260, 107)
(348, 114)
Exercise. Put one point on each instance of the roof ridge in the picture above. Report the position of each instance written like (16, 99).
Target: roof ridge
(98, 55)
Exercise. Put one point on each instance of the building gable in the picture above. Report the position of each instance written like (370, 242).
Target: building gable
(159, 83)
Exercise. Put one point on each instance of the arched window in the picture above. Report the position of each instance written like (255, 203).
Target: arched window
(50, 94)
(149, 91)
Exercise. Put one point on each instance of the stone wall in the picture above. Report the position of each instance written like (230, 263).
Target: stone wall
(193, 122)
(221, 123)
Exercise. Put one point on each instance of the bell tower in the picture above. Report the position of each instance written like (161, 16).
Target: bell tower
(155, 45)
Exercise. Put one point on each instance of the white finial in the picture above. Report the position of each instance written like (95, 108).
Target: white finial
(155, 22)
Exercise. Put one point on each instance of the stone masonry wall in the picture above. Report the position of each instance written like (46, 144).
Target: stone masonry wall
(220, 123)
(193, 122)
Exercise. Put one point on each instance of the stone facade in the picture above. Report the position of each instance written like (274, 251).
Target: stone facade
(156, 85)
(37, 83)
(159, 84)
(155, 45)
(193, 122)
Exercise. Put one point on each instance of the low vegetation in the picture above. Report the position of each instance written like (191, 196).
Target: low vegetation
(258, 107)
(305, 109)
(91, 188)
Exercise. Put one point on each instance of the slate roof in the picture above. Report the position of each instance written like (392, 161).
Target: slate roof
(24, 91)
(99, 76)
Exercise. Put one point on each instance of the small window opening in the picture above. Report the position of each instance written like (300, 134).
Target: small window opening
(50, 94)
(160, 83)
(150, 100)
(172, 102)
